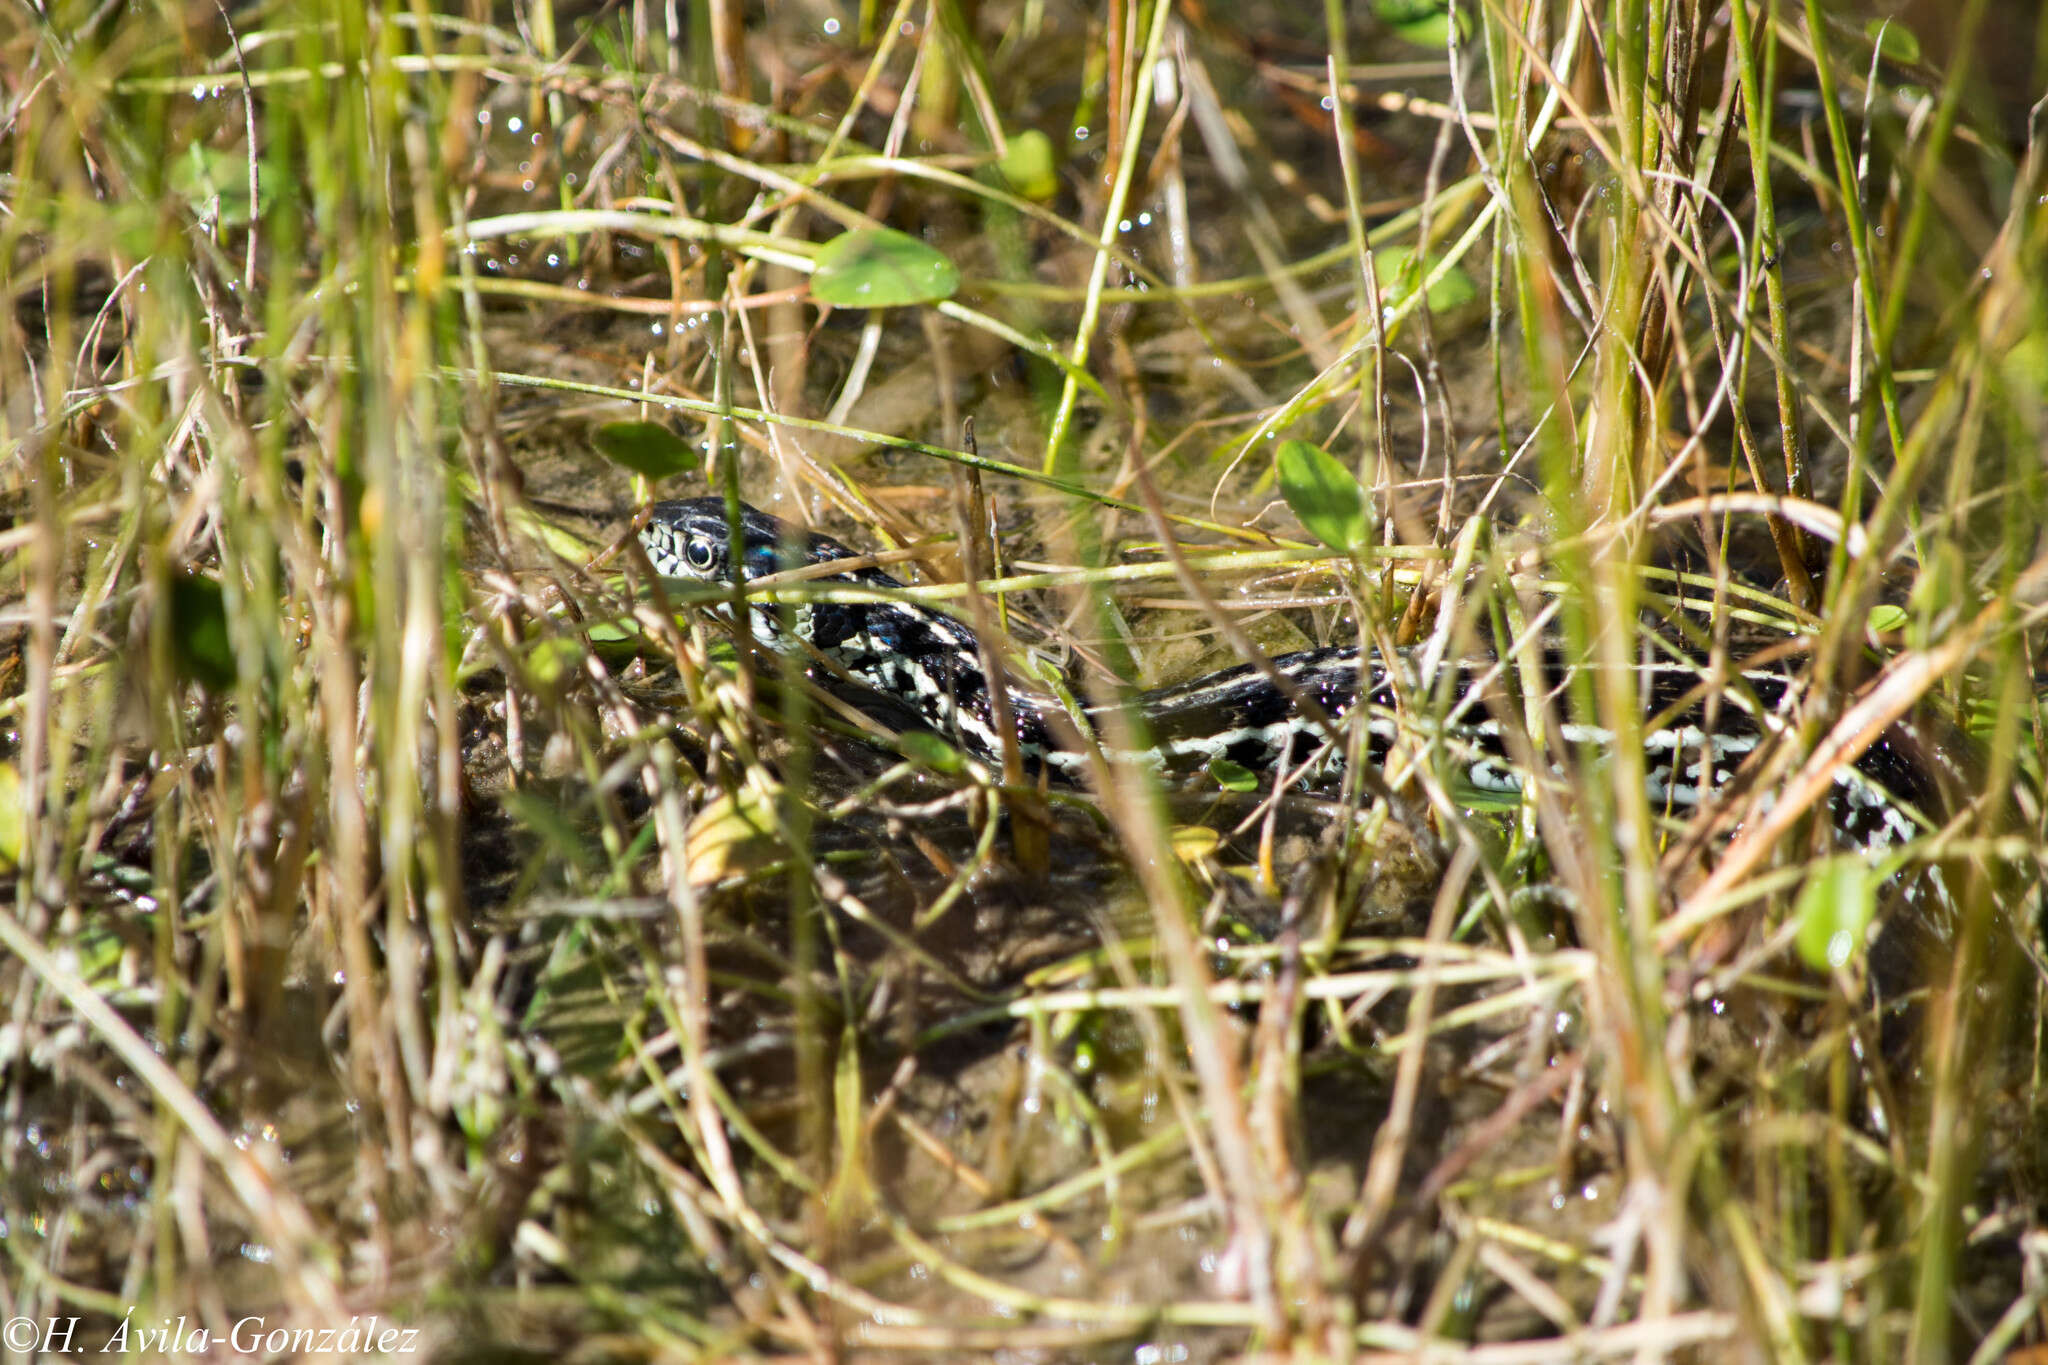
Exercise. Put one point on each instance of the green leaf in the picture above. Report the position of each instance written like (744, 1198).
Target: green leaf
(1834, 911)
(2024, 366)
(614, 630)
(1028, 166)
(927, 750)
(553, 661)
(214, 183)
(1406, 11)
(1431, 33)
(616, 640)
(1887, 617)
(1233, 777)
(200, 648)
(881, 268)
(1395, 265)
(1325, 495)
(1894, 41)
(13, 817)
(1426, 23)
(733, 834)
(647, 448)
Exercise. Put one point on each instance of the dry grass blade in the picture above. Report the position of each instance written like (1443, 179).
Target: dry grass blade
(423, 911)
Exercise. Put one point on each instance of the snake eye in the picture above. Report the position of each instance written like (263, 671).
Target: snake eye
(699, 553)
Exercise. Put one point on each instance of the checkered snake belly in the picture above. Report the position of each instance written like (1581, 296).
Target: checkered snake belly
(1696, 738)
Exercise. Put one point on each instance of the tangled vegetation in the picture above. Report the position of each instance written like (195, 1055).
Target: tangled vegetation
(424, 919)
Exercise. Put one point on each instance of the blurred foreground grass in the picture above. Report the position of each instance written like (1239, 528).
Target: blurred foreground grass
(397, 932)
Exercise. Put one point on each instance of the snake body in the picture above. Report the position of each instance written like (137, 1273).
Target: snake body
(1253, 717)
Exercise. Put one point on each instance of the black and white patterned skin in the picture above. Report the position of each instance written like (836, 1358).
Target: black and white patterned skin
(919, 657)
(931, 662)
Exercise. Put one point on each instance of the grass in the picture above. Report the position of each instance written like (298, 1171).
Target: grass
(414, 915)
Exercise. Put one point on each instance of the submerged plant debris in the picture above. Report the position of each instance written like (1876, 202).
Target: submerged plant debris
(425, 920)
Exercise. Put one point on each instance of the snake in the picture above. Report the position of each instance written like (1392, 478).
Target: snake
(1280, 720)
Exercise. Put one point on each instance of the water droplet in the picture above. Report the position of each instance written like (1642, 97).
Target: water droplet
(514, 124)
(831, 27)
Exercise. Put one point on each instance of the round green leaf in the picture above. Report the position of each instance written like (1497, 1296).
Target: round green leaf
(1028, 166)
(732, 835)
(1426, 23)
(1325, 495)
(1887, 617)
(13, 817)
(1233, 777)
(617, 640)
(1895, 42)
(1834, 912)
(553, 660)
(1396, 268)
(1430, 33)
(215, 184)
(647, 448)
(614, 630)
(2024, 366)
(200, 648)
(1406, 11)
(927, 750)
(881, 268)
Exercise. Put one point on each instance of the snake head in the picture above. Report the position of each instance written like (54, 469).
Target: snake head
(691, 539)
